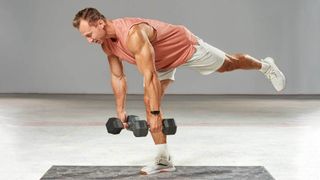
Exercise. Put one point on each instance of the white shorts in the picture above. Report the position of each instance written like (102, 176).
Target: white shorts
(206, 60)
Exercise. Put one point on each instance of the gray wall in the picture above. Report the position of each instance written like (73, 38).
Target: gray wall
(42, 53)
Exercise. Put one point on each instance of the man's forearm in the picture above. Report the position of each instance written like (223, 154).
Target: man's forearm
(119, 87)
(152, 90)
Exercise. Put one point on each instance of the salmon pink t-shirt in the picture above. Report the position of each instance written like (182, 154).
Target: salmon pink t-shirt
(173, 44)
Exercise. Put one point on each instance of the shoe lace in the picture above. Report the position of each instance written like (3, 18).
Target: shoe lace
(271, 74)
(159, 161)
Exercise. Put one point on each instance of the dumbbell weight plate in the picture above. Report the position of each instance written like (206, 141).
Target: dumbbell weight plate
(169, 126)
(114, 125)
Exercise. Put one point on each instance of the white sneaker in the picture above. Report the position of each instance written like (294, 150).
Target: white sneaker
(274, 74)
(161, 165)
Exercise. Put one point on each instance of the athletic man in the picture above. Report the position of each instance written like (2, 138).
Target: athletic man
(158, 48)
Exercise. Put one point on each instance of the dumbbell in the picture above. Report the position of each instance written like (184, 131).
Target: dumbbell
(169, 126)
(138, 127)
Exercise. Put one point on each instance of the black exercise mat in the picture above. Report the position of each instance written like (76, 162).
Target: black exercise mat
(183, 172)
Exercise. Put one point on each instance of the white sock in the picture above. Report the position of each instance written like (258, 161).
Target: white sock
(162, 150)
(264, 67)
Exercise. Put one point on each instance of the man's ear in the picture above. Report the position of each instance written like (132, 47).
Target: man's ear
(101, 23)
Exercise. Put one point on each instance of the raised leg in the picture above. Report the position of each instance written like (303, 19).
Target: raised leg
(240, 61)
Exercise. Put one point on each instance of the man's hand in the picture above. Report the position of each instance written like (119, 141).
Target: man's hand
(155, 123)
(123, 118)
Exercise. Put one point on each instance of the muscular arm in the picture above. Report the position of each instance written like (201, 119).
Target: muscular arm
(119, 85)
(139, 44)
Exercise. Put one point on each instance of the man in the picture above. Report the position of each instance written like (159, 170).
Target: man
(158, 48)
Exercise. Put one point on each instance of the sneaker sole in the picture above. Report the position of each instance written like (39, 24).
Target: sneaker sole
(158, 171)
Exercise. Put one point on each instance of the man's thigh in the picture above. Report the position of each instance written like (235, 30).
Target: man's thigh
(207, 59)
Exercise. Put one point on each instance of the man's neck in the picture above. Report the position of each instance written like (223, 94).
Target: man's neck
(111, 32)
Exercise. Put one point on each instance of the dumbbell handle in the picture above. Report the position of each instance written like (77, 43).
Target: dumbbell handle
(130, 126)
(130, 120)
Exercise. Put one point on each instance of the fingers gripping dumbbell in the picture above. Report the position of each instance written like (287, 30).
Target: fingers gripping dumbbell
(138, 127)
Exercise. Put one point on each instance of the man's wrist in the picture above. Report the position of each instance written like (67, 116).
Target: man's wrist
(121, 112)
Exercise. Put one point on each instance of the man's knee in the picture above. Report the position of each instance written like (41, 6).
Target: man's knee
(233, 62)
(228, 65)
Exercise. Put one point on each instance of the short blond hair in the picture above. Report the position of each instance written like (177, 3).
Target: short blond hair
(89, 14)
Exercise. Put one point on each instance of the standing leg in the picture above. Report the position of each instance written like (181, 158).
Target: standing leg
(163, 159)
(158, 138)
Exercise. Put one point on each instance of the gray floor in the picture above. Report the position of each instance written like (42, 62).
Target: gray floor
(280, 133)
(182, 173)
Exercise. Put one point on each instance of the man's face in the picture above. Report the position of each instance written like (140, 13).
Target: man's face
(94, 33)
